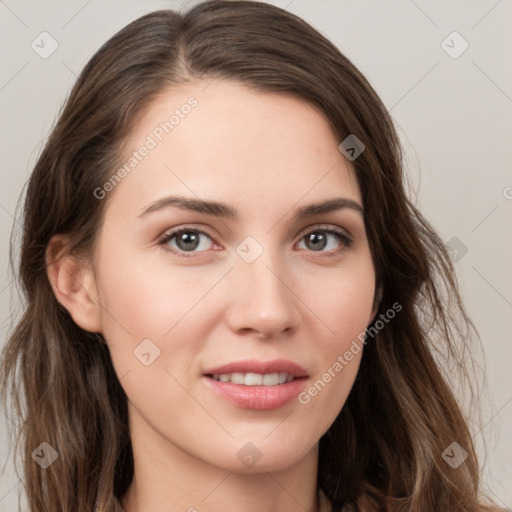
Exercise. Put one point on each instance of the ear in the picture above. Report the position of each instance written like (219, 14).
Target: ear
(73, 283)
(376, 302)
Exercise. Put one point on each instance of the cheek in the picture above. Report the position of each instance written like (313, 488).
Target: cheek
(342, 301)
(351, 307)
(147, 300)
(348, 314)
(343, 306)
(144, 310)
(346, 310)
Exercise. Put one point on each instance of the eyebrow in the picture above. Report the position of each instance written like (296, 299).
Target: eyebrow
(223, 210)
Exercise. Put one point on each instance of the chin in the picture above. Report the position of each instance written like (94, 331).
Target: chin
(262, 454)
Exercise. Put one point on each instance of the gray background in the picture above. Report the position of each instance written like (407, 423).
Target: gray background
(453, 115)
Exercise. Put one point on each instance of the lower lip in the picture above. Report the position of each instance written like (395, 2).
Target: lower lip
(257, 397)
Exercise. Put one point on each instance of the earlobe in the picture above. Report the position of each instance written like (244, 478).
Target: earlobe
(73, 284)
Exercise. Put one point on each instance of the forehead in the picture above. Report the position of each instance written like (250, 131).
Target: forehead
(222, 140)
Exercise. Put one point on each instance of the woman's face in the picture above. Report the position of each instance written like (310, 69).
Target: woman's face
(253, 281)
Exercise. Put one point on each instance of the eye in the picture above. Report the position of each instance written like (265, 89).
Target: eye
(185, 240)
(193, 240)
(326, 238)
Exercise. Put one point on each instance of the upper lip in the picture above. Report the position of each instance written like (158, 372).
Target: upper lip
(263, 367)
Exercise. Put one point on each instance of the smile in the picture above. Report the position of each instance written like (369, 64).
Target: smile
(254, 379)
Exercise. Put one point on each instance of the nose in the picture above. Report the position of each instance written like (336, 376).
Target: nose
(260, 298)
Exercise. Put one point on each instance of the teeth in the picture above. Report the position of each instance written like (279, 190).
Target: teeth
(254, 379)
(270, 379)
(237, 378)
(251, 379)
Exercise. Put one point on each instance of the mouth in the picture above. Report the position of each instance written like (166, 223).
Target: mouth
(250, 371)
(254, 379)
(256, 384)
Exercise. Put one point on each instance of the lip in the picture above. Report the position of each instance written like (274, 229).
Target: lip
(258, 397)
(254, 366)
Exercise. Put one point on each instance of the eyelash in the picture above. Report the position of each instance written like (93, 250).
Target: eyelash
(338, 233)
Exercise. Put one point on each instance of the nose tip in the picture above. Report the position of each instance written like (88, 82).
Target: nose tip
(260, 301)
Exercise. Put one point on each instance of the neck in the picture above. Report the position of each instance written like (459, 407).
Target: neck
(229, 492)
(168, 479)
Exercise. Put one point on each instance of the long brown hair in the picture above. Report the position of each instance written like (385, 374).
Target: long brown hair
(385, 448)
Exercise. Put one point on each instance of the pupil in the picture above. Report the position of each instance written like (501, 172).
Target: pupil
(317, 241)
(188, 240)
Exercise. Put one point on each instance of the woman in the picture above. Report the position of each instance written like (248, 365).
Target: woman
(285, 359)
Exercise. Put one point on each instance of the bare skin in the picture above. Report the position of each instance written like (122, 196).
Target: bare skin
(265, 155)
